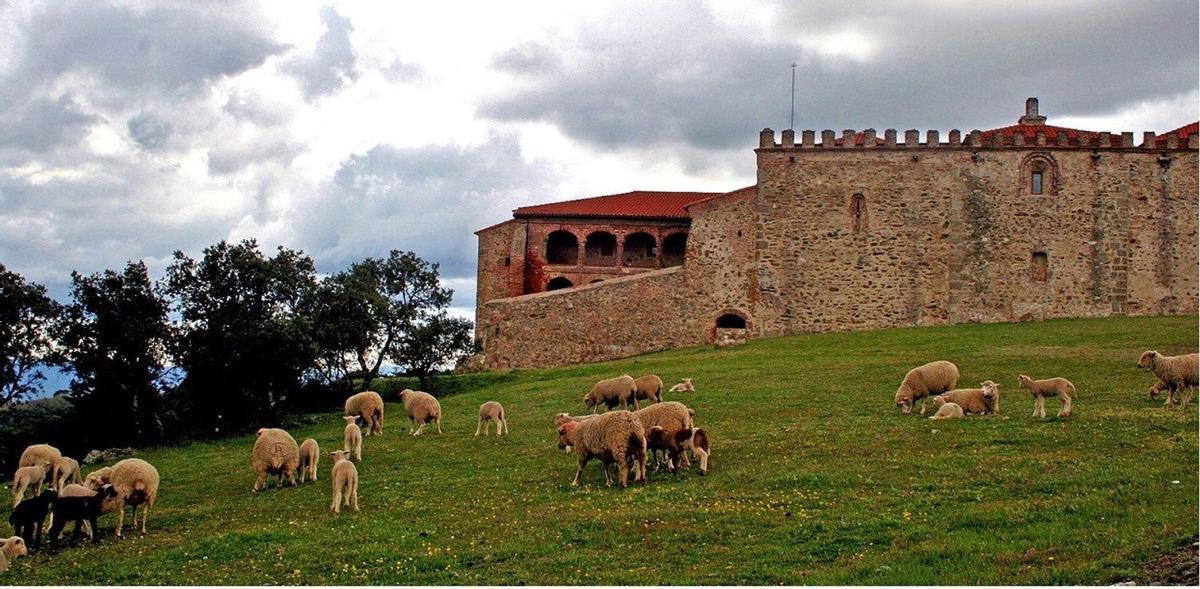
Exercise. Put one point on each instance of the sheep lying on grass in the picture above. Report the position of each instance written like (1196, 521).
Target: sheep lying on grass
(136, 483)
(610, 392)
(1050, 387)
(28, 517)
(946, 410)
(980, 401)
(678, 444)
(10, 549)
(275, 452)
(684, 387)
(924, 381)
(649, 387)
(310, 454)
(28, 478)
(1180, 374)
(352, 438)
(422, 408)
(66, 470)
(489, 412)
(79, 510)
(345, 482)
(616, 436)
(369, 406)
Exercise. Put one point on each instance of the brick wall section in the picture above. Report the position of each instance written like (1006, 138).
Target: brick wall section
(946, 233)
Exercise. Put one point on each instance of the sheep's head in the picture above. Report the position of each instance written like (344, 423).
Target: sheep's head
(564, 434)
(339, 455)
(106, 490)
(990, 391)
(349, 419)
(1024, 380)
(260, 431)
(1147, 359)
(938, 401)
(904, 400)
(657, 436)
(562, 418)
(403, 394)
(14, 547)
(589, 400)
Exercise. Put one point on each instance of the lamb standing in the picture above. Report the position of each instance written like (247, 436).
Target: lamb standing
(28, 478)
(275, 452)
(369, 406)
(620, 390)
(66, 470)
(616, 436)
(81, 510)
(1178, 373)
(684, 387)
(1049, 387)
(677, 445)
(28, 517)
(136, 483)
(649, 387)
(345, 481)
(352, 438)
(980, 401)
(422, 408)
(310, 454)
(489, 412)
(925, 381)
(671, 416)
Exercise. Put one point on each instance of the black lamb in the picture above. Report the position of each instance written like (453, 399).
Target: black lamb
(78, 509)
(28, 517)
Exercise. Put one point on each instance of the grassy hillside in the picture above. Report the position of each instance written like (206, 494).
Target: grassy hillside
(815, 478)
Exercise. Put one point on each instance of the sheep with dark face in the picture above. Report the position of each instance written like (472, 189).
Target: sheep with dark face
(79, 510)
(679, 443)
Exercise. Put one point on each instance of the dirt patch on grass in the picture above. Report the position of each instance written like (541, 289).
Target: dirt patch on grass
(1174, 568)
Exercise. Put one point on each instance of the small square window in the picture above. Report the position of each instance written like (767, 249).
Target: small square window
(1035, 183)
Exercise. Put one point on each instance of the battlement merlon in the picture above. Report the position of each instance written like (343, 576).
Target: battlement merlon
(974, 140)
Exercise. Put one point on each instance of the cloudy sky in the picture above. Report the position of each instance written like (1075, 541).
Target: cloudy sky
(131, 129)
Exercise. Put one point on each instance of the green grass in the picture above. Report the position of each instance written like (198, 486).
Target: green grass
(815, 478)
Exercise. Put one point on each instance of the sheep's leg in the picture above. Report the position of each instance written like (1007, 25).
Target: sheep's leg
(623, 472)
(120, 514)
(354, 494)
(412, 424)
(336, 506)
(439, 424)
(1065, 410)
(145, 515)
(703, 460)
(579, 471)
(504, 422)
(922, 405)
(1035, 405)
(261, 481)
(477, 426)
(1187, 397)
(607, 475)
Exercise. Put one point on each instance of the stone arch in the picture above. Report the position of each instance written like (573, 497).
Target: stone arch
(640, 250)
(1039, 175)
(674, 247)
(600, 249)
(731, 320)
(562, 247)
(558, 283)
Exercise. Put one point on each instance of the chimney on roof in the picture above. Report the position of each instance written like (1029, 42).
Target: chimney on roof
(1031, 113)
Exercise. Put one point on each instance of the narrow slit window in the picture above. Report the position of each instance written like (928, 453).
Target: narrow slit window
(858, 207)
(1035, 182)
(1039, 267)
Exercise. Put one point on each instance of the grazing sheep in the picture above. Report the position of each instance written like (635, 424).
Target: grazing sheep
(369, 406)
(1050, 387)
(649, 387)
(1178, 373)
(345, 480)
(980, 401)
(108, 504)
(672, 416)
(677, 445)
(620, 390)
(66, 470)
(352, 438)
(562, 418)
(136, 484)
(489, 412)
(275, 452)
(40, 455)
(98, 478)
(28, 517)
(79, 510)
(10, 549)
(684, 387)
(946, 410)
(310, 454)
(925, 381)
(28, 478)
(616, 436)
(422, 408)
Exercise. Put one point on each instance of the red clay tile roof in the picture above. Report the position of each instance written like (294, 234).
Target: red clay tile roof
(859, 139)
(1160, 141)
(639, 204)
(741, 192)
(1074, 136)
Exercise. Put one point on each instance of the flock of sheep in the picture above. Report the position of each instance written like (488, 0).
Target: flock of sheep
(1178, 375)
(664, 430)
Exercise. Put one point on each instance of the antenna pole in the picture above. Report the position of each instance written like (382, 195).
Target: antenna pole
(792, 122)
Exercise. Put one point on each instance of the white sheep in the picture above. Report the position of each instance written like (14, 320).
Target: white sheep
(489, 412)
(345, 481)
(683, 387)
(136, 484)
(352, 438)
(28, 478)
(310, 455)
(368, 405)
(946, 410)
(1179, 373)
(66, 470)
(40, 455)
(619, 390)
(275, 452)
(1049, 387)
(980, 401)
(422, 408)
(616, 436)
(10, 549)
(649, 387)
(924, 381)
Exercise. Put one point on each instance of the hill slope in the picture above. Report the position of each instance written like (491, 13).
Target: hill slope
(815, 478)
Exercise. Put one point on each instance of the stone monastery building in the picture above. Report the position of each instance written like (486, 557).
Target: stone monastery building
(857, 231)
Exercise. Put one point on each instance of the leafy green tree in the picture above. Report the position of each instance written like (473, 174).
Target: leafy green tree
(114, 335)
(436, 342)
(26, 313)
(245, 338)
